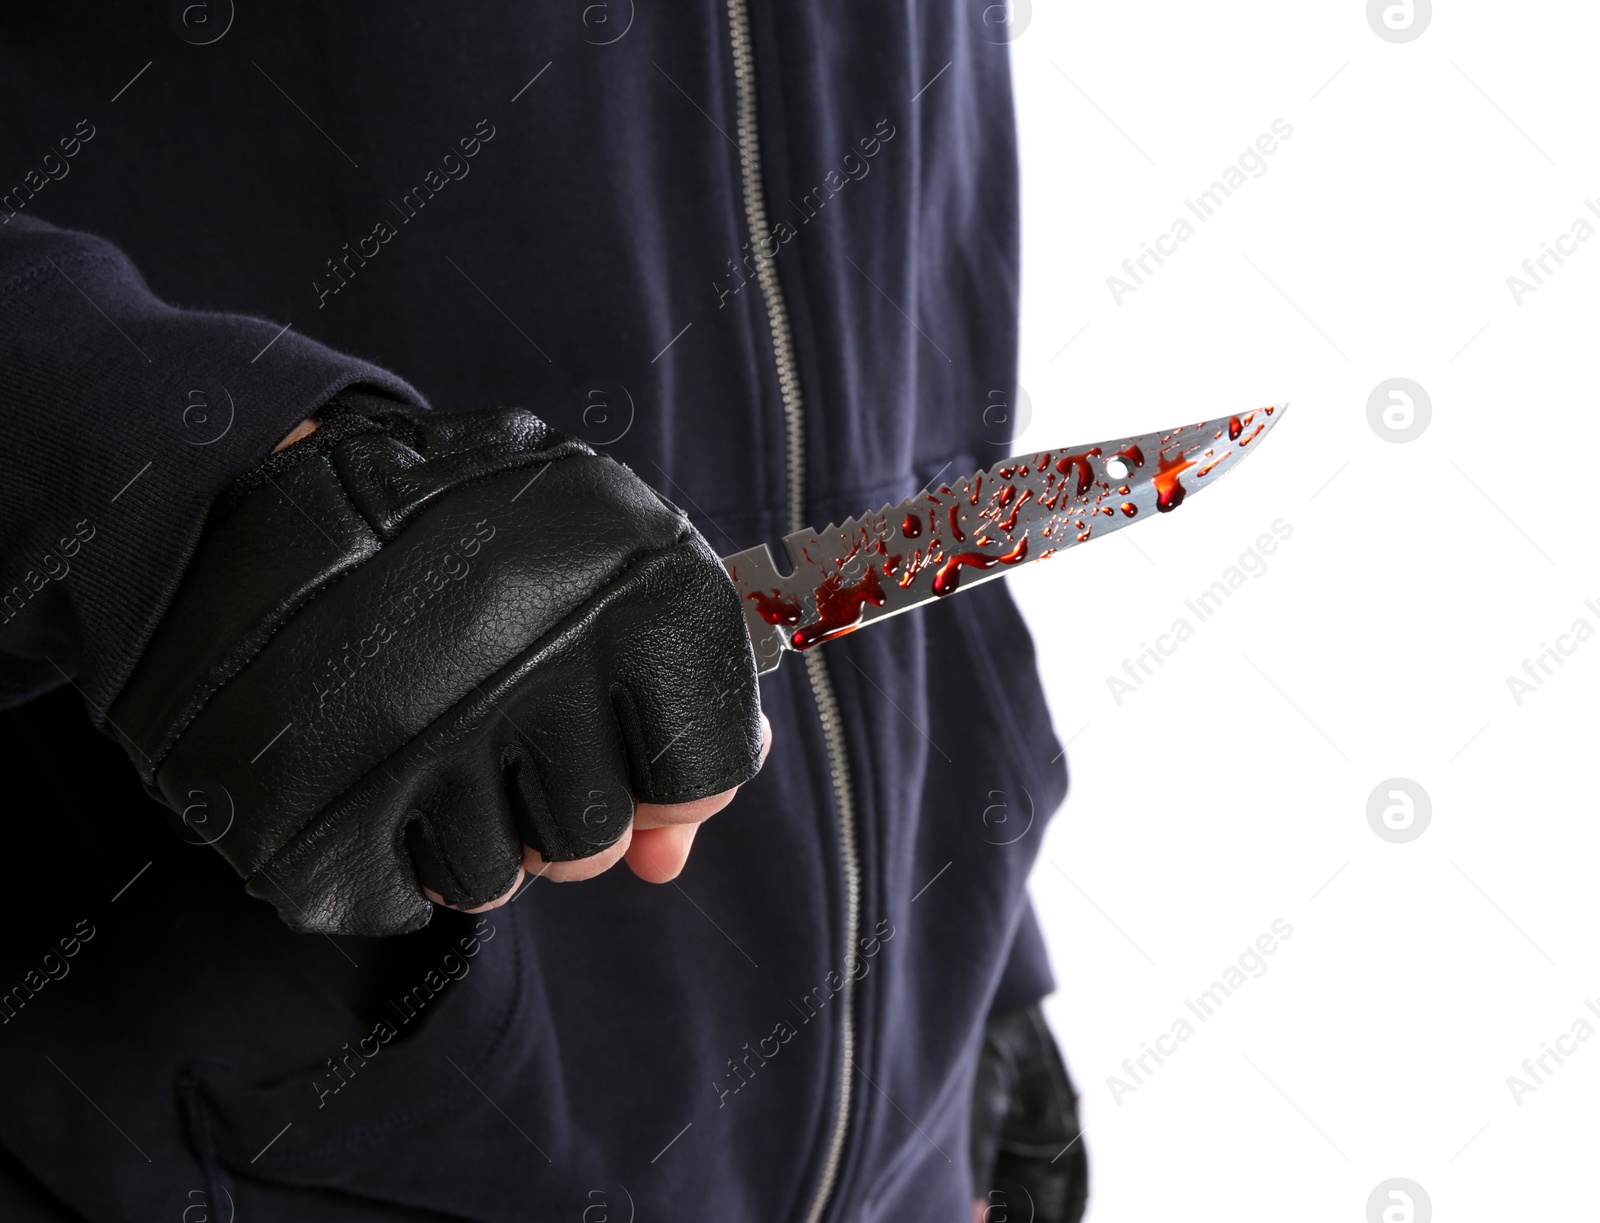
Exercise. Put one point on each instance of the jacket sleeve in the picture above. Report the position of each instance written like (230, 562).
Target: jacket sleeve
(1026, 977)
(123, 418)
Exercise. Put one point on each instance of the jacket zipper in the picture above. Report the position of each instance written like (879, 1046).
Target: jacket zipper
(755, 209)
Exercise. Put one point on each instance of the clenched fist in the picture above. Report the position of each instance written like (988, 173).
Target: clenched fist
(416, 654)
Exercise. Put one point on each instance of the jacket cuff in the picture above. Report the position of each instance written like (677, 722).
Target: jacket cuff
(126, 418)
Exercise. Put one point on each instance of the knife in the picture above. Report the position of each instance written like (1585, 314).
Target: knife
(977, 528)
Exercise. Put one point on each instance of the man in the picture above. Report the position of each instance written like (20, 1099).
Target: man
(265, 277)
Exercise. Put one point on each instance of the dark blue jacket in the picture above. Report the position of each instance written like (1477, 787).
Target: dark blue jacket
(211, 220)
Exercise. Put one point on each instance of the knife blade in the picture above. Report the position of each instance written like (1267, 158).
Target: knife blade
(976, 528)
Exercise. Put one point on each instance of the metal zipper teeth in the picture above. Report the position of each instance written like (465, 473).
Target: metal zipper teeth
(755, 209)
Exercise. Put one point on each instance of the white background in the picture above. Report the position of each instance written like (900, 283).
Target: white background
(1231, 788)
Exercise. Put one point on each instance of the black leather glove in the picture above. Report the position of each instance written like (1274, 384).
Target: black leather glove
(1024, 1115)
(409, 644)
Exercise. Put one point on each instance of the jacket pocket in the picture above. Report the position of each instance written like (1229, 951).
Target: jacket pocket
(374, 1116)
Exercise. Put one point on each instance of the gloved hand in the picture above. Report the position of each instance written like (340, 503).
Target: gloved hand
(411, 644)
(1024, 1115)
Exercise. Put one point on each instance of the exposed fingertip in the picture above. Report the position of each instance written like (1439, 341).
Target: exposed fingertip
(484, 908)
(659, 855)
(577, 869)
